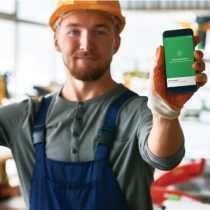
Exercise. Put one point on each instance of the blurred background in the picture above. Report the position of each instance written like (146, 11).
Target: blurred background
(30, 66)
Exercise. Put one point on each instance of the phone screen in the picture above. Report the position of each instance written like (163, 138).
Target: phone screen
(179, 58)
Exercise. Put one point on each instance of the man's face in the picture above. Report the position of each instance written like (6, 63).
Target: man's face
(87, 42)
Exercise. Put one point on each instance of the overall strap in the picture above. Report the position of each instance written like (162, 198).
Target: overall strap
(107, 130)
(39, 129)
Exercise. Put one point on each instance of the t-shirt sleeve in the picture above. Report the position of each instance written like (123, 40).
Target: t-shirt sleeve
(12, 117)
(145, 126)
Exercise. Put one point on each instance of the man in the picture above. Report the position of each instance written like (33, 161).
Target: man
(96, 143)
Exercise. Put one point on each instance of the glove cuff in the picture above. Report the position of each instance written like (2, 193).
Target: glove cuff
(161, 106)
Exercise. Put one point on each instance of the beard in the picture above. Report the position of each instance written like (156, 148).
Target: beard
(87, 72)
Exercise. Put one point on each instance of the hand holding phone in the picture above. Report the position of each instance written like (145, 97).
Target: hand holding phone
(166, 105)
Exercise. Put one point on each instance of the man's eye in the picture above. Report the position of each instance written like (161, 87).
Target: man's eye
(100, 32)
(73, 32)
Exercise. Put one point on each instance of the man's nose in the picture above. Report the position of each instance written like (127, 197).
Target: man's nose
(86, 41)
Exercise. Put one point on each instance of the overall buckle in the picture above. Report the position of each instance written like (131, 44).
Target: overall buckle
(105, 135)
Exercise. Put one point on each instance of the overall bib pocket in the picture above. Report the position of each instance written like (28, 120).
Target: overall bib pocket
(69, 196)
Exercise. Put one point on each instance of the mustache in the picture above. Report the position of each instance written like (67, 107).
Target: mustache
(85, 54)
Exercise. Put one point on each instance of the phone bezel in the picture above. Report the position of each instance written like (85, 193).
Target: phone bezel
(180, 89)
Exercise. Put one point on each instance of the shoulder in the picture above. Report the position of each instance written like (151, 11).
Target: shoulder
(141, 103)
(23, 109)
(138, 102)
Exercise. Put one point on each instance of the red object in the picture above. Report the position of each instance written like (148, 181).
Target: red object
(180, 174)
(160, 194)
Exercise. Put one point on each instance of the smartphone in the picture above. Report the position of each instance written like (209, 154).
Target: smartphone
(179, 57)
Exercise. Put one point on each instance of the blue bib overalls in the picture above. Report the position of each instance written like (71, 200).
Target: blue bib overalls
(91, 185)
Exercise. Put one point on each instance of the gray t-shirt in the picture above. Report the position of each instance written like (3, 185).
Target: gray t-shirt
(71, 135)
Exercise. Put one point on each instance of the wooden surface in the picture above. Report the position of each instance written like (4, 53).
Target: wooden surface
(15, 203)
(5, 190)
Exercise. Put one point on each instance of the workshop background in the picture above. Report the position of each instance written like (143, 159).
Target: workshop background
(30, 66)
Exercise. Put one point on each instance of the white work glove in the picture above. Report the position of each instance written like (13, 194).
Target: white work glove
(159, 101)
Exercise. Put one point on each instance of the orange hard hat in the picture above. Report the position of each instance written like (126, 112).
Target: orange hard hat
(109, 7)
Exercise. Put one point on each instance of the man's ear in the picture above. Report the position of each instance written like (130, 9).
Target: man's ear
(56, 42)
(117, 44)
